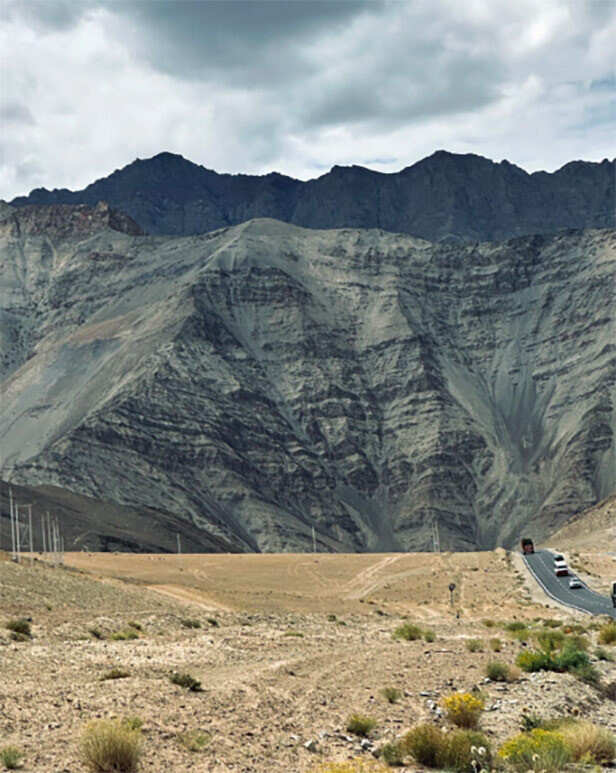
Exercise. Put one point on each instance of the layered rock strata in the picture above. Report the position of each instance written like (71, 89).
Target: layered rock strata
(264, 380)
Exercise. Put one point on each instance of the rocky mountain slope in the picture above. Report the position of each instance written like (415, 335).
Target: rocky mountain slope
(444, 196)
(262, 380)
(593, 529)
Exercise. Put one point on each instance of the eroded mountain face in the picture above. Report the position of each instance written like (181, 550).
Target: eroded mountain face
(264, 379)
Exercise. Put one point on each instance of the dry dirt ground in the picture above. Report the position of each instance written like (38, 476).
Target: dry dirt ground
(289, 646)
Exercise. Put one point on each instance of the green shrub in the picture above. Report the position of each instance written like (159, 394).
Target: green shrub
(577, 642)
(109, 745)
(391, 694)
(115, 673)
(550, 623)
(489, 623)
(20, 626)
(539, 750)
(136, 626)
(128, 634)
(495, 644)
(213, 622)
(533, 661)
(586, 673)
(474, 645)
(516, 625)
(194, 740)
(497, 671)
(466, 751)
(463, 709)
(408, 632)
(392, 753)
(297, 634)
(569, 658)
(426, 744)
(96, 633)
(589, 743)
(188, 622)
(331, 618)
(549, 639)
(360, 724)
(429, 636)
(11, 757)
(187, 681)
(607, 633)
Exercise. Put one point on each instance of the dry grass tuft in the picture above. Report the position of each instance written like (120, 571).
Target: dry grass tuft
(589, 743)
(360, 724)
(110, 745)
(11, 757)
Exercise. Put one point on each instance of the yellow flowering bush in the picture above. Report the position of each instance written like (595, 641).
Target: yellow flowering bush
(539, 750)
(463, 708)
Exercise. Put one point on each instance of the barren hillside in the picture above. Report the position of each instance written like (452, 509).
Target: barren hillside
(264, 380)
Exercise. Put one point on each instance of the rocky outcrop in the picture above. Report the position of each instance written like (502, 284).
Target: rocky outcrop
(262, 380)
(446, 196)
(63, 221)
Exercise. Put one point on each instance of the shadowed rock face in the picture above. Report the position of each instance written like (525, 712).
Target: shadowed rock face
(264, 379)
(444, 196)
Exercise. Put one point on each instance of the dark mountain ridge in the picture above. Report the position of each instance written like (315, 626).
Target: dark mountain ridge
(444, 196)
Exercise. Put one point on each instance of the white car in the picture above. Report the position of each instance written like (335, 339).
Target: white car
(560, 567)
(575, 583)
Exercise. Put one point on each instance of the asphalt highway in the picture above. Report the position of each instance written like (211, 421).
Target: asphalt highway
(541, 565)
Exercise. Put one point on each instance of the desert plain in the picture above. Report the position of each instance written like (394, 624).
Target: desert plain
(286, 648)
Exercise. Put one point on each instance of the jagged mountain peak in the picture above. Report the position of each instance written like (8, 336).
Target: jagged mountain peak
(464, 197)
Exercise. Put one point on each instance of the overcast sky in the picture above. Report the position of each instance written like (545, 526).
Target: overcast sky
(296, 87)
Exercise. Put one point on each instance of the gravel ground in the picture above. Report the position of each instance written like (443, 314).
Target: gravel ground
(272, 680)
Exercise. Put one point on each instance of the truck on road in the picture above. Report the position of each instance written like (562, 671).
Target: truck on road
(527, 545)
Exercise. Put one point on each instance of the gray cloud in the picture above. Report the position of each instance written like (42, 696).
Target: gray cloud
(16, 113)
(48, 15)
(299, 86)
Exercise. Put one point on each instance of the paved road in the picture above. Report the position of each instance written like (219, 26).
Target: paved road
(541, 565)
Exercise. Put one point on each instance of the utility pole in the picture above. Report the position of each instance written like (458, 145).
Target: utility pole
(30, 532)
(13, 557)
(436, 541)
(49, 540)
(56, 541)
(17, 533)
(44, 536)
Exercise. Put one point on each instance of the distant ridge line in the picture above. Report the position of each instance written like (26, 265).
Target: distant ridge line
(446, 196)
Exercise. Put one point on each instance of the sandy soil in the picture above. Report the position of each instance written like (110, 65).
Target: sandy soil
(289, 646)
